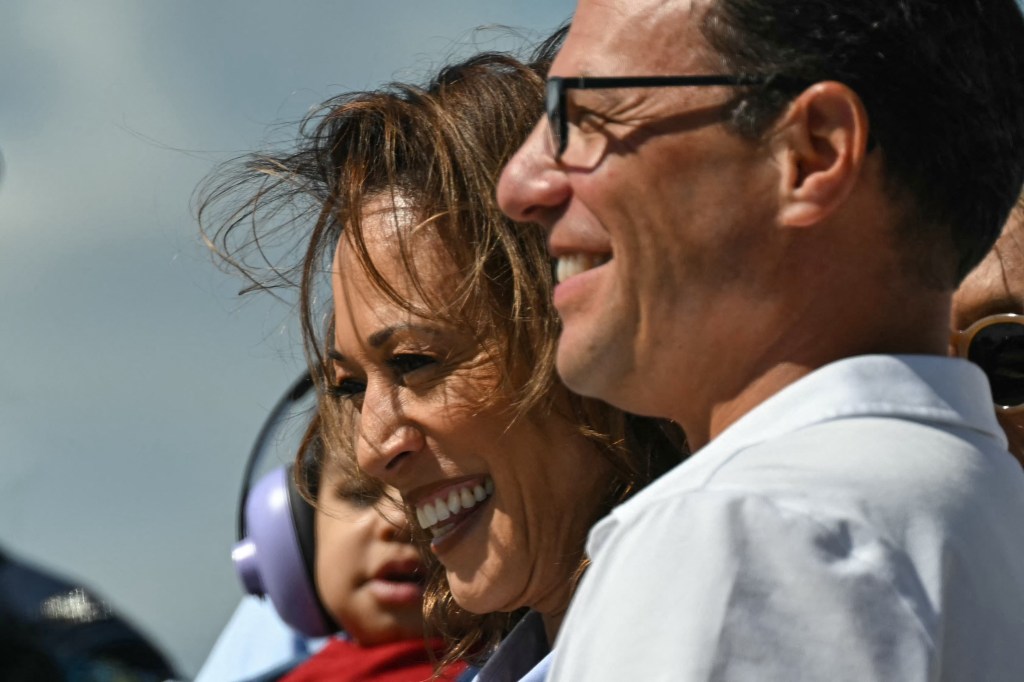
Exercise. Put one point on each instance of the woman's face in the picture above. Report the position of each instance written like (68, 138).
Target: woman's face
(507, 501)
(368, 575)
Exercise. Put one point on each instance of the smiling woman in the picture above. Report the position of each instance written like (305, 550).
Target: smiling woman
(436, 369)
(505, 496)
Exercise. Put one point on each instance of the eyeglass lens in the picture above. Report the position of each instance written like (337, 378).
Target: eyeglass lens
(556, 122)
(999, 350)
(582, 151)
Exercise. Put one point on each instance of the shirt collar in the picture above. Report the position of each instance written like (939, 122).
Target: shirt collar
(928, 388)
(923, 388)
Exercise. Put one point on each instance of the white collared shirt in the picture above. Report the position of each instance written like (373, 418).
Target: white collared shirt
(864, 523)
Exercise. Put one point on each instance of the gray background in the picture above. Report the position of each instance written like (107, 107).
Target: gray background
(132, 378)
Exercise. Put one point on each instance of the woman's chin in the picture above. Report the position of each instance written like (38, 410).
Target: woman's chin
(488, 590)
(465, 550)
(478, 598)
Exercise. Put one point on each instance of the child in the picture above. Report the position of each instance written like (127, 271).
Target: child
(370, 580)
(343, 565)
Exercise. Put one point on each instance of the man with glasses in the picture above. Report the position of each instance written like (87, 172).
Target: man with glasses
(988, 326)
(759, 212)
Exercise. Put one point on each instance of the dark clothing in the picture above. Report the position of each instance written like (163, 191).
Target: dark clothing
(54, 630)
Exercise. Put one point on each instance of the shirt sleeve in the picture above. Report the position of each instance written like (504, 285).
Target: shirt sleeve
(719, 586)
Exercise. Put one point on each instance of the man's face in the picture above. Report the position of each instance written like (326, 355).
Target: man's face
(659, 269)
(996, 287)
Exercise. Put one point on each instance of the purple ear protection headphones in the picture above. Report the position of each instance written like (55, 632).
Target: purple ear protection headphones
(275, 552)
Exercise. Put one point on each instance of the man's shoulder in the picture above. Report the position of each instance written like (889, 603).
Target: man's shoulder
(904, 466)
(778, 536)
(887, 504)
(880, 457)
(894, 478)
(886, 428)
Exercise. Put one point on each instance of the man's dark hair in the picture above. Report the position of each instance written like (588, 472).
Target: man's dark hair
(943, 84)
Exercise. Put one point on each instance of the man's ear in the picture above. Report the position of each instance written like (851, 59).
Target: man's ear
(820, 144)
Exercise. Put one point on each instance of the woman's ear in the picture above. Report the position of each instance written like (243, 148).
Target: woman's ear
(820, 145)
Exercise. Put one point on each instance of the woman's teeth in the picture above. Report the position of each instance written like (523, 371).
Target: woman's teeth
(430, 514)
(575, 263)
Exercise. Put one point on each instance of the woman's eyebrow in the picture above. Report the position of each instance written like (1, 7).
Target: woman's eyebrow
(380, 337)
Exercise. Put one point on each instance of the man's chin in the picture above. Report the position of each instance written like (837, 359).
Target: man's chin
(579, 368)
(589, 370)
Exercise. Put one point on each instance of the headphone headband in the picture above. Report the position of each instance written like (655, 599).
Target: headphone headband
(275, 553)
(296, 392)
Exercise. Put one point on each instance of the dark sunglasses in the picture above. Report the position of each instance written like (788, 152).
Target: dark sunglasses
(996, 344)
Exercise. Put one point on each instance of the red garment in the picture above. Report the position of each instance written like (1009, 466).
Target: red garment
(346, 661)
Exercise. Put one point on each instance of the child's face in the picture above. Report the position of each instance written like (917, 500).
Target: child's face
(368, 574)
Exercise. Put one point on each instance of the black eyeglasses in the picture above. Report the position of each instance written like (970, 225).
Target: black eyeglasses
(996, 344)
(558, 124)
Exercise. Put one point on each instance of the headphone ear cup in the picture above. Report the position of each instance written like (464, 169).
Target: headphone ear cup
(303, 518)
(277, 555)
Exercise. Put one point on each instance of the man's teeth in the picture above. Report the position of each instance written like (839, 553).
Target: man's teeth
(441, 509)
(575, 263)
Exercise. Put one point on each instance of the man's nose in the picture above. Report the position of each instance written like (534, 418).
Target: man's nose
(533, 186)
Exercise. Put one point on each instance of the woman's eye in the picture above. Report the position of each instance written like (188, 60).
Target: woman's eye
(348, 388)
(407, 363)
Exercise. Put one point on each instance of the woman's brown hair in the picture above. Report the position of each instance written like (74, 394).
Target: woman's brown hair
(435, 150)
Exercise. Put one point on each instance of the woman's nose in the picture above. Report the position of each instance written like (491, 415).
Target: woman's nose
(533, 187)
(385, 436)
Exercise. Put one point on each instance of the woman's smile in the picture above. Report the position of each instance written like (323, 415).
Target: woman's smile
(446, 507)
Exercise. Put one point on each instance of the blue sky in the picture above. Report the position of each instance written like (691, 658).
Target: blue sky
(132, 378)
